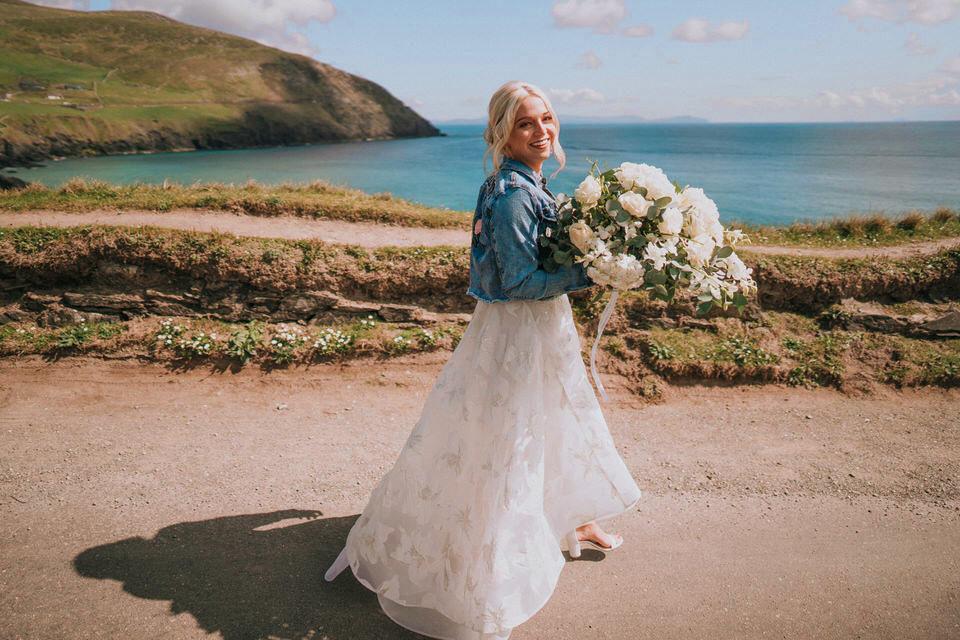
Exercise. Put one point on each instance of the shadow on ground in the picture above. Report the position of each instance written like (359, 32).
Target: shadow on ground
(248, 576)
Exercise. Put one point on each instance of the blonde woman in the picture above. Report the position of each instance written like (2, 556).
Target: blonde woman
(511, 460)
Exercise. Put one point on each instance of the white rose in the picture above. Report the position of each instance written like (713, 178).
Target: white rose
(634, 203)
(580, 235)
(633, 176)
(700, 249)
(672, 221)
(696, 198)
(588, 193)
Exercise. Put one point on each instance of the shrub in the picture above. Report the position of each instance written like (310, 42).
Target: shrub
(911, 221)
(243, 342)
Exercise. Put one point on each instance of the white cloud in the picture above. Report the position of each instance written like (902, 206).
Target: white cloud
(589, 60)
(914, 48)
(951, 65)
(276, 23)
(82, 5)
(700, 30)
(602, 16)
(637, 31)
(919, 11)
(575, 96)
(930, 92)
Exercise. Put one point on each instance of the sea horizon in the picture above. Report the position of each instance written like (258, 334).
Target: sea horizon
(762, 173)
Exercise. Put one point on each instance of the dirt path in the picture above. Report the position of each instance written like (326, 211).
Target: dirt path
(370, 235)
(138, 502)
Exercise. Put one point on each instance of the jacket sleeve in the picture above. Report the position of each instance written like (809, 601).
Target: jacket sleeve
(515, 229)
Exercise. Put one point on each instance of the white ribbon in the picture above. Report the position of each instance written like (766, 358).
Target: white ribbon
(604, 318)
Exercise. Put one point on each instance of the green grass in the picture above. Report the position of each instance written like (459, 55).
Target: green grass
(315, 200)
(857, 230)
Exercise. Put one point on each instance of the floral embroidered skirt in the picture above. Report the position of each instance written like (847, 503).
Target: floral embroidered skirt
(462, 539)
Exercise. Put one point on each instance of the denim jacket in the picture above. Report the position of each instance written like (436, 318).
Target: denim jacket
(514, 208)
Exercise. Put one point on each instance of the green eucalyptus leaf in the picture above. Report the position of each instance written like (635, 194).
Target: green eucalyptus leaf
(724, 252)
(704, 307)
(653, 212)
(622, 216)
(655, 277)
(703, 297)
(561, 256)
(661, 292)
(663, 202)
(642, 191)
(544, 241)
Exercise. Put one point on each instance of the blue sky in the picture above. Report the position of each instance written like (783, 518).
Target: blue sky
(759, 61)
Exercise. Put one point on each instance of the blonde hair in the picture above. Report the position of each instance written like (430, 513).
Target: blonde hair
(503, 108)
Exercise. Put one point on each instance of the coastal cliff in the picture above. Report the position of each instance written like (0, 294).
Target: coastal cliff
(75, 83)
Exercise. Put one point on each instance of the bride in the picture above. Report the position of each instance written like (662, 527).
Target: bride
(511, 460)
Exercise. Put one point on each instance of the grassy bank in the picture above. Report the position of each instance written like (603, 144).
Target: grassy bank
(73, 255)
(325, 201)
(859, 230)
(316, 200)
(780, 348)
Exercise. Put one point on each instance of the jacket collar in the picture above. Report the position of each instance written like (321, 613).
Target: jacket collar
(515, 165)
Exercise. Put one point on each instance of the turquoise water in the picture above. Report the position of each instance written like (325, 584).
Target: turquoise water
(763, 173)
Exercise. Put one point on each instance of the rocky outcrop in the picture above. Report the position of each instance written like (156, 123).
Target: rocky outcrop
(227, 301)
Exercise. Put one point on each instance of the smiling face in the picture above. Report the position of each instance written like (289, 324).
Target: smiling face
(533, 134)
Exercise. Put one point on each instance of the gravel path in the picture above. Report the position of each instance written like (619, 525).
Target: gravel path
(139, 502)
(370, 235)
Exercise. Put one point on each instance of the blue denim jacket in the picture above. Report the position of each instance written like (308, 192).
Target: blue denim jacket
(513, 209)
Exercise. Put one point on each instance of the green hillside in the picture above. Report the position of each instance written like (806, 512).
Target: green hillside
(81, 83)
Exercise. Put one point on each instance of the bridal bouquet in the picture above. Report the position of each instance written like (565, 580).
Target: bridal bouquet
(634, 229)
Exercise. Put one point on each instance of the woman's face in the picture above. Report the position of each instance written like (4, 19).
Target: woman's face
(534, 130)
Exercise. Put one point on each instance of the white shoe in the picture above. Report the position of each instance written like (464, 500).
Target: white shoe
(574, 544)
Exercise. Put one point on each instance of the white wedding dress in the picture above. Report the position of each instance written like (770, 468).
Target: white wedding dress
(462, 539)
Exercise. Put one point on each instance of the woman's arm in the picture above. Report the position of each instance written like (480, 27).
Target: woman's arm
(515, 229)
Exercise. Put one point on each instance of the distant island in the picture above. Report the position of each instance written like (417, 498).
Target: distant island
(565, 119)
(77, 83)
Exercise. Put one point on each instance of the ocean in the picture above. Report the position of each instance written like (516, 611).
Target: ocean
(758, 173)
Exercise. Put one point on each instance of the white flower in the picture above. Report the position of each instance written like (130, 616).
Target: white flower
(736, 269)
(580, 235)
(620, 272)
(733, 237)
(700, 249)
(634, 203)
(633, 176)
(697, 223)
(588, 193)
(672, 221)
(657, 254)
(696, 198)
